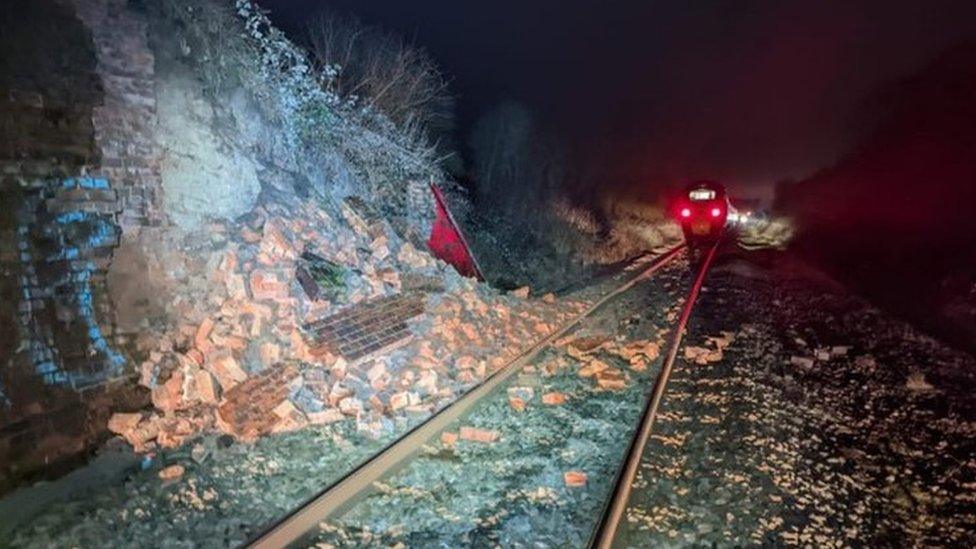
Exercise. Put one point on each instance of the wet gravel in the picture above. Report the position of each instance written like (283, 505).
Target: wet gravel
(869, 442)
(219, 502)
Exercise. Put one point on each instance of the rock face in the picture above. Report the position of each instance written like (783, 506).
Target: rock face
(200, 178)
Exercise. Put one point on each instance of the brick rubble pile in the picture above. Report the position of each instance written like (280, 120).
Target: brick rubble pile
(252, 351)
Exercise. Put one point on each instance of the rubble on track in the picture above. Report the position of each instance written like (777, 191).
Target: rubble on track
(543, 481)
(260, 414)
(239, 310)
(826, 423)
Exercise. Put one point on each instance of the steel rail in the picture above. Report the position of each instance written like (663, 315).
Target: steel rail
(617, 503)
(337, 496)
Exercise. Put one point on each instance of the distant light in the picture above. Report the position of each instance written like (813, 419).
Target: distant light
(716, 212)
(685, 212)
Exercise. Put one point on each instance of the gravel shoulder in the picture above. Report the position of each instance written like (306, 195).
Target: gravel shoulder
(824, 422)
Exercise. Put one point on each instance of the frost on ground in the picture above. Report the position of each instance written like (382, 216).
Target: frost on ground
(826, 423)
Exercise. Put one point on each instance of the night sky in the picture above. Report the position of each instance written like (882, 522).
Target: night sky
(748, 92)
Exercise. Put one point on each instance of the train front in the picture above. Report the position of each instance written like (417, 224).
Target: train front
(702, 211)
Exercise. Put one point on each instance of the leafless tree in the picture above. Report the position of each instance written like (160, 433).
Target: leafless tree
(383, 71)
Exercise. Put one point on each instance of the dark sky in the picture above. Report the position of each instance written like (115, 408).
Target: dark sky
(747, 91)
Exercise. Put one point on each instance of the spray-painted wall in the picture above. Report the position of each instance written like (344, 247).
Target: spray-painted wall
(79, 170)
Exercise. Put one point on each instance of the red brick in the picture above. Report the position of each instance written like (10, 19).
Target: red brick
(574, 479)
(554, 399)
(248, 410)
(478, 435)
(449, 439)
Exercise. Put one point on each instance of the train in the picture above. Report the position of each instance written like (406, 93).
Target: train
(704, 210)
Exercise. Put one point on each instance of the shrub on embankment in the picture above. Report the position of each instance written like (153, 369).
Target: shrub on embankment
(539, 214)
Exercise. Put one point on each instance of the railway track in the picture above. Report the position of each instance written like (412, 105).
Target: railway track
(339, 496)
(604, 534)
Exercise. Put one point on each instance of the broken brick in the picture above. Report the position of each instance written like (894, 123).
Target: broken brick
(592, 368)
(574, 479)
(207, 390)
(329, 415)
(172, 472)
(554, 399)
(122, 423)
(202, 336)
(474, 434)
(227, 370)
(449, 439)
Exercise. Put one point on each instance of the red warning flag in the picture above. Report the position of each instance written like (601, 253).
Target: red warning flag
(447, 242)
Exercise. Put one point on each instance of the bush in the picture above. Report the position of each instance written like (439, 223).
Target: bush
(538, 234)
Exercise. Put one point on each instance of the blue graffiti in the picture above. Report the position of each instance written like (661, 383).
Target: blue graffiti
(99, 231)
(72, 217)
(99, 183)
(66, 253)
(105, 235)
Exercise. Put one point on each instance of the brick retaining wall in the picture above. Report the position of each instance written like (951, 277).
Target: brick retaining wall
(79, 169)
(125, 120)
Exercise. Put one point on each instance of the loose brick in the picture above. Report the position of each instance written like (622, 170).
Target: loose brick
(574, 479)
(474, 434)
(554, 399)
(449, 439)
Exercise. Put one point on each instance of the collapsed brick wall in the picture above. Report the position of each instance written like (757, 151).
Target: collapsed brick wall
(369, 328)
(78, 169)
(81, 185)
